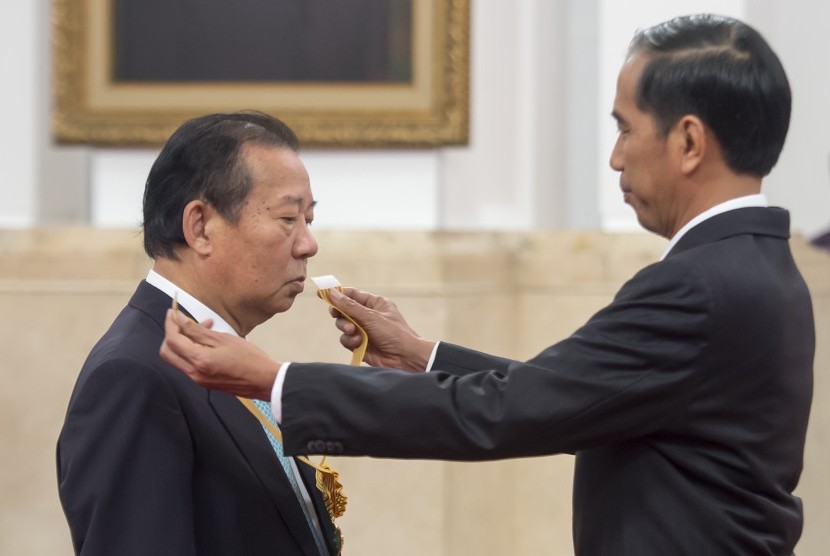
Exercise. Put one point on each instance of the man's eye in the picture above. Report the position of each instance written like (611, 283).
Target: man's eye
(289, 219)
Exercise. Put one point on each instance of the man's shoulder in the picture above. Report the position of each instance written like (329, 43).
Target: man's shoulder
(667, 275)
(127, 355)
(127, 336)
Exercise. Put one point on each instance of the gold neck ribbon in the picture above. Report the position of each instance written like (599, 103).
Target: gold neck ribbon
(327, 283)
(327, 478)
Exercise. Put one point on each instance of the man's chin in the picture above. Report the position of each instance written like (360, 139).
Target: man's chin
(284, 303)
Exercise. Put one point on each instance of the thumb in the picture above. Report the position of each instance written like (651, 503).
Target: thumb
(349, 306)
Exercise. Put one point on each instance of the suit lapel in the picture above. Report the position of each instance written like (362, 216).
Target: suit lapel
(252, 442)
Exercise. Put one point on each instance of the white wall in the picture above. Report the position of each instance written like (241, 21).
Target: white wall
(542, 82)
(388, 190)
(353, 189)
(798, 30)
(511, 177)
(18, 60)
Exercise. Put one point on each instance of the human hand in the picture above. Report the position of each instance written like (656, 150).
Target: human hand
(217, 360)
(392, 342)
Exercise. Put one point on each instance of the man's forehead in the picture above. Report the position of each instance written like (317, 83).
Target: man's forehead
(627, 81)
(632, 68)
(277, 167)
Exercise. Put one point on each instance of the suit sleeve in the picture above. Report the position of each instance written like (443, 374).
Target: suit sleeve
(125, 464)
(631, 370)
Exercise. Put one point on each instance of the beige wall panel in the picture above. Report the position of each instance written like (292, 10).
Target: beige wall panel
(511, 294)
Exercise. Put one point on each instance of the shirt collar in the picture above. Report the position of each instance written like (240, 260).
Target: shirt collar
(196, 308)
(756, 200)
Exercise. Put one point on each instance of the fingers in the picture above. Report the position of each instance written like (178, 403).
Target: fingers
(354, 307)
(185, 342)
(175, 346)
(173, 337)
(351, 341)
(197, 333)
(345, 326)
(173, 358)
(351, 338)
(365, 299)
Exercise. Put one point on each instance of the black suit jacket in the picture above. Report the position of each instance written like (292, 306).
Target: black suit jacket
(685, 400)
(150, 463)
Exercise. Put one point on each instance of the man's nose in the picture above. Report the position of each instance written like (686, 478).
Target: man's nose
(616, 157)
(306, 244)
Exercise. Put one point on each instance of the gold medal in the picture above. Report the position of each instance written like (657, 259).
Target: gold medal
(329, 484)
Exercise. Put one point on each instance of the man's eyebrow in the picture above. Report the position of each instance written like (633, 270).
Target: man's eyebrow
(616, 115)
(295, 200)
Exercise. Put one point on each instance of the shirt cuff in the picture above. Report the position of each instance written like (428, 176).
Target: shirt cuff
(432, 357)
(276, 393)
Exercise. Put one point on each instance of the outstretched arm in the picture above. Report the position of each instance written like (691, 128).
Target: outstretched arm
(226, 362)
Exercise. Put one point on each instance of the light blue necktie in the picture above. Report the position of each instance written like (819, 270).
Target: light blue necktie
(265, 409)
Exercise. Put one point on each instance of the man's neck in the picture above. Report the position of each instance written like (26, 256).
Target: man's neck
(754, 200)
(189, 295)
(708, 189)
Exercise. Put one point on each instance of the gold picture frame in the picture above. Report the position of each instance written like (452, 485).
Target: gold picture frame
(431, 109)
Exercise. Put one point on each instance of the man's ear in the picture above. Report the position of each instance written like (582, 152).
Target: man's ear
(693, 142)
(195, 218)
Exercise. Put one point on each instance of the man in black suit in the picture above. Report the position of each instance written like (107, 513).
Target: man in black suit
(149, 462)
(685, 400)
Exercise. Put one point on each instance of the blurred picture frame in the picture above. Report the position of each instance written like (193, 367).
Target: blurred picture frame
(111, 89)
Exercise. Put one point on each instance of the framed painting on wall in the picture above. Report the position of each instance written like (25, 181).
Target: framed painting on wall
(362, 73)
